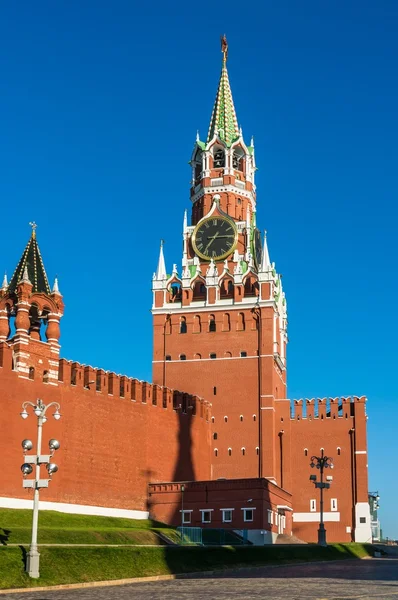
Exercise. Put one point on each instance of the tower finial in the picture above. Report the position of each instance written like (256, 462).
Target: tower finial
(5, 283)
(161, 270)
(224, 48)
(33, 226)
(265, 262)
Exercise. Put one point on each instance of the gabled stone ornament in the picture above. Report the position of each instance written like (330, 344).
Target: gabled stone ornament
(161, 270)
(175, 271)
(25, 276)
(55, 289)
(212, 270)
(4, 286)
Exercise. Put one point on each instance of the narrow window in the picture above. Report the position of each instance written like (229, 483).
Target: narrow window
(248, 514)
(196, 324)
(73, 376)
(215, 452)
(226, 322)
(183, 325)
(305, 452)
(212, 323)
(225, 419)
(186, 516)
(333, 504)
(219, 159)
(254, 417)
(241, 418)
(206, 516)
(243, 451)
(257, 450)
(243, 354)
(270, 516)
(183, 357)
(240, 326)
(31, 372)
(338, 451)
(226, 515)
(45, 376)
(213, 355)
(229, 451)
(214, 391)
(214, 436)
(121, 388)
(313, 505)
(168, 357)
(212, 419)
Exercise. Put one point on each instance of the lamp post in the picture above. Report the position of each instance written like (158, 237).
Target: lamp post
(182, 513)
(321, 462)
(38, 459)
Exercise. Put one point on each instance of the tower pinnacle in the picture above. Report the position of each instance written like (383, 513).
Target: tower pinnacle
(30, 267)
(161, 270)
(223, 119)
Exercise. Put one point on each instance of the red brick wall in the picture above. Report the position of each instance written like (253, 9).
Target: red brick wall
(111, 447)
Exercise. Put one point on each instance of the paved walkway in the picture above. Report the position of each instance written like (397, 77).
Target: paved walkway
(375, 579)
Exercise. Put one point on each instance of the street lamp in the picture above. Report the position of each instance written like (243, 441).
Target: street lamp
(321, 462)
(182, 513)
(39, 409)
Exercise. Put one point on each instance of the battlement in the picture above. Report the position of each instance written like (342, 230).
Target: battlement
(106, 383)
(326, 408)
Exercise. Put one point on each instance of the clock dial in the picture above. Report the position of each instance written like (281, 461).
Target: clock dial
(215, 238)
(257, 247)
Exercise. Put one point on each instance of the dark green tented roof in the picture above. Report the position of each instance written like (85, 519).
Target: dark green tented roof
(31, 258)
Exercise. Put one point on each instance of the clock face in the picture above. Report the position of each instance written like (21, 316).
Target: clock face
(215, 238)
(257, 247)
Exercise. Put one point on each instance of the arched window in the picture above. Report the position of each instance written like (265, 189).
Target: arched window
(197, 356)
(305, 451)
(175, 292)
(219, 158)
(338, 451)
(214, 436)
(45, 376)
(243, 451)
(229, 451)
(257, 450)
(73, 374)
(212, 323)
(196, 324)
(98, 382)
(227, 289)
(241, 418)
(240, 325)
(226, 322)
(226, 419)
(251, 287)
(212, 419)
(215, 451)
(183, 357)
(237, 159)
(168, 357)
(254, 417)
(228, 354)
(183, 325)
(31, 372)
(199, 291)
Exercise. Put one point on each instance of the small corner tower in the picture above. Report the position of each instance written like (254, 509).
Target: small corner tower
(30, 314)
(220, 325)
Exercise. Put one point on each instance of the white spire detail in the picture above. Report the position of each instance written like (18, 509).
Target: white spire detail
(252, 142)
(185, 223)
(25, 275)
(212, 270)
(161, 270)
(265, 262)
(197, 136)
(5, 283)
(55, 286)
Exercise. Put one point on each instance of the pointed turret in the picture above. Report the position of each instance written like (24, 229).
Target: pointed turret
(265, 262)
(56, 286)
(31, 268)
(223, 119)
(161, 270)
(4, 286)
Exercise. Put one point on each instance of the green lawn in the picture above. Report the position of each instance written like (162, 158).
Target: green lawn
(72, 565)
(62, 528)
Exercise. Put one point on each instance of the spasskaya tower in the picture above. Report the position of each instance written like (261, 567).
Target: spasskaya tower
(220, 321)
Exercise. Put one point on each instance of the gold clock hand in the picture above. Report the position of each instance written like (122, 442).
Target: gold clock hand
(209, 244)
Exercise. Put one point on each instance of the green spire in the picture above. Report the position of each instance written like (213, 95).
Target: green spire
(31, 264)
(223, 119)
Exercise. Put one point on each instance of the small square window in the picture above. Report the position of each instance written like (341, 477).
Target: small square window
(168, 357)
(183, 357)
(362, 519)
(186, 516)
(213, 355)
(243, 353)
(206, 516)
(248, 514)
(227, 516)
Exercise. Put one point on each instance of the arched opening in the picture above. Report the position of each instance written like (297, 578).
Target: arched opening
(251, 287)
(215, 452)
(197, 356)
(219, 158)
(226, 322)
(228, 354)
(199, 291)
(240, 325)
(226, 289)
(212, 323)
(183, 357)
(243, 451)
(31, 372)
(229, 451)
(238, 159)
(183, 325)
(45, 376)
(197, 328)
(175, 293)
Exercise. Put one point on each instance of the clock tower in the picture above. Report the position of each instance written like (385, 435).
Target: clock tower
(220, 321)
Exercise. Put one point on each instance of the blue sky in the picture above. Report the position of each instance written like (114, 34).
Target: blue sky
(100, 103)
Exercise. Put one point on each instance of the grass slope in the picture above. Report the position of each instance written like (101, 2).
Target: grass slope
(62, 528)
(73, 565)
